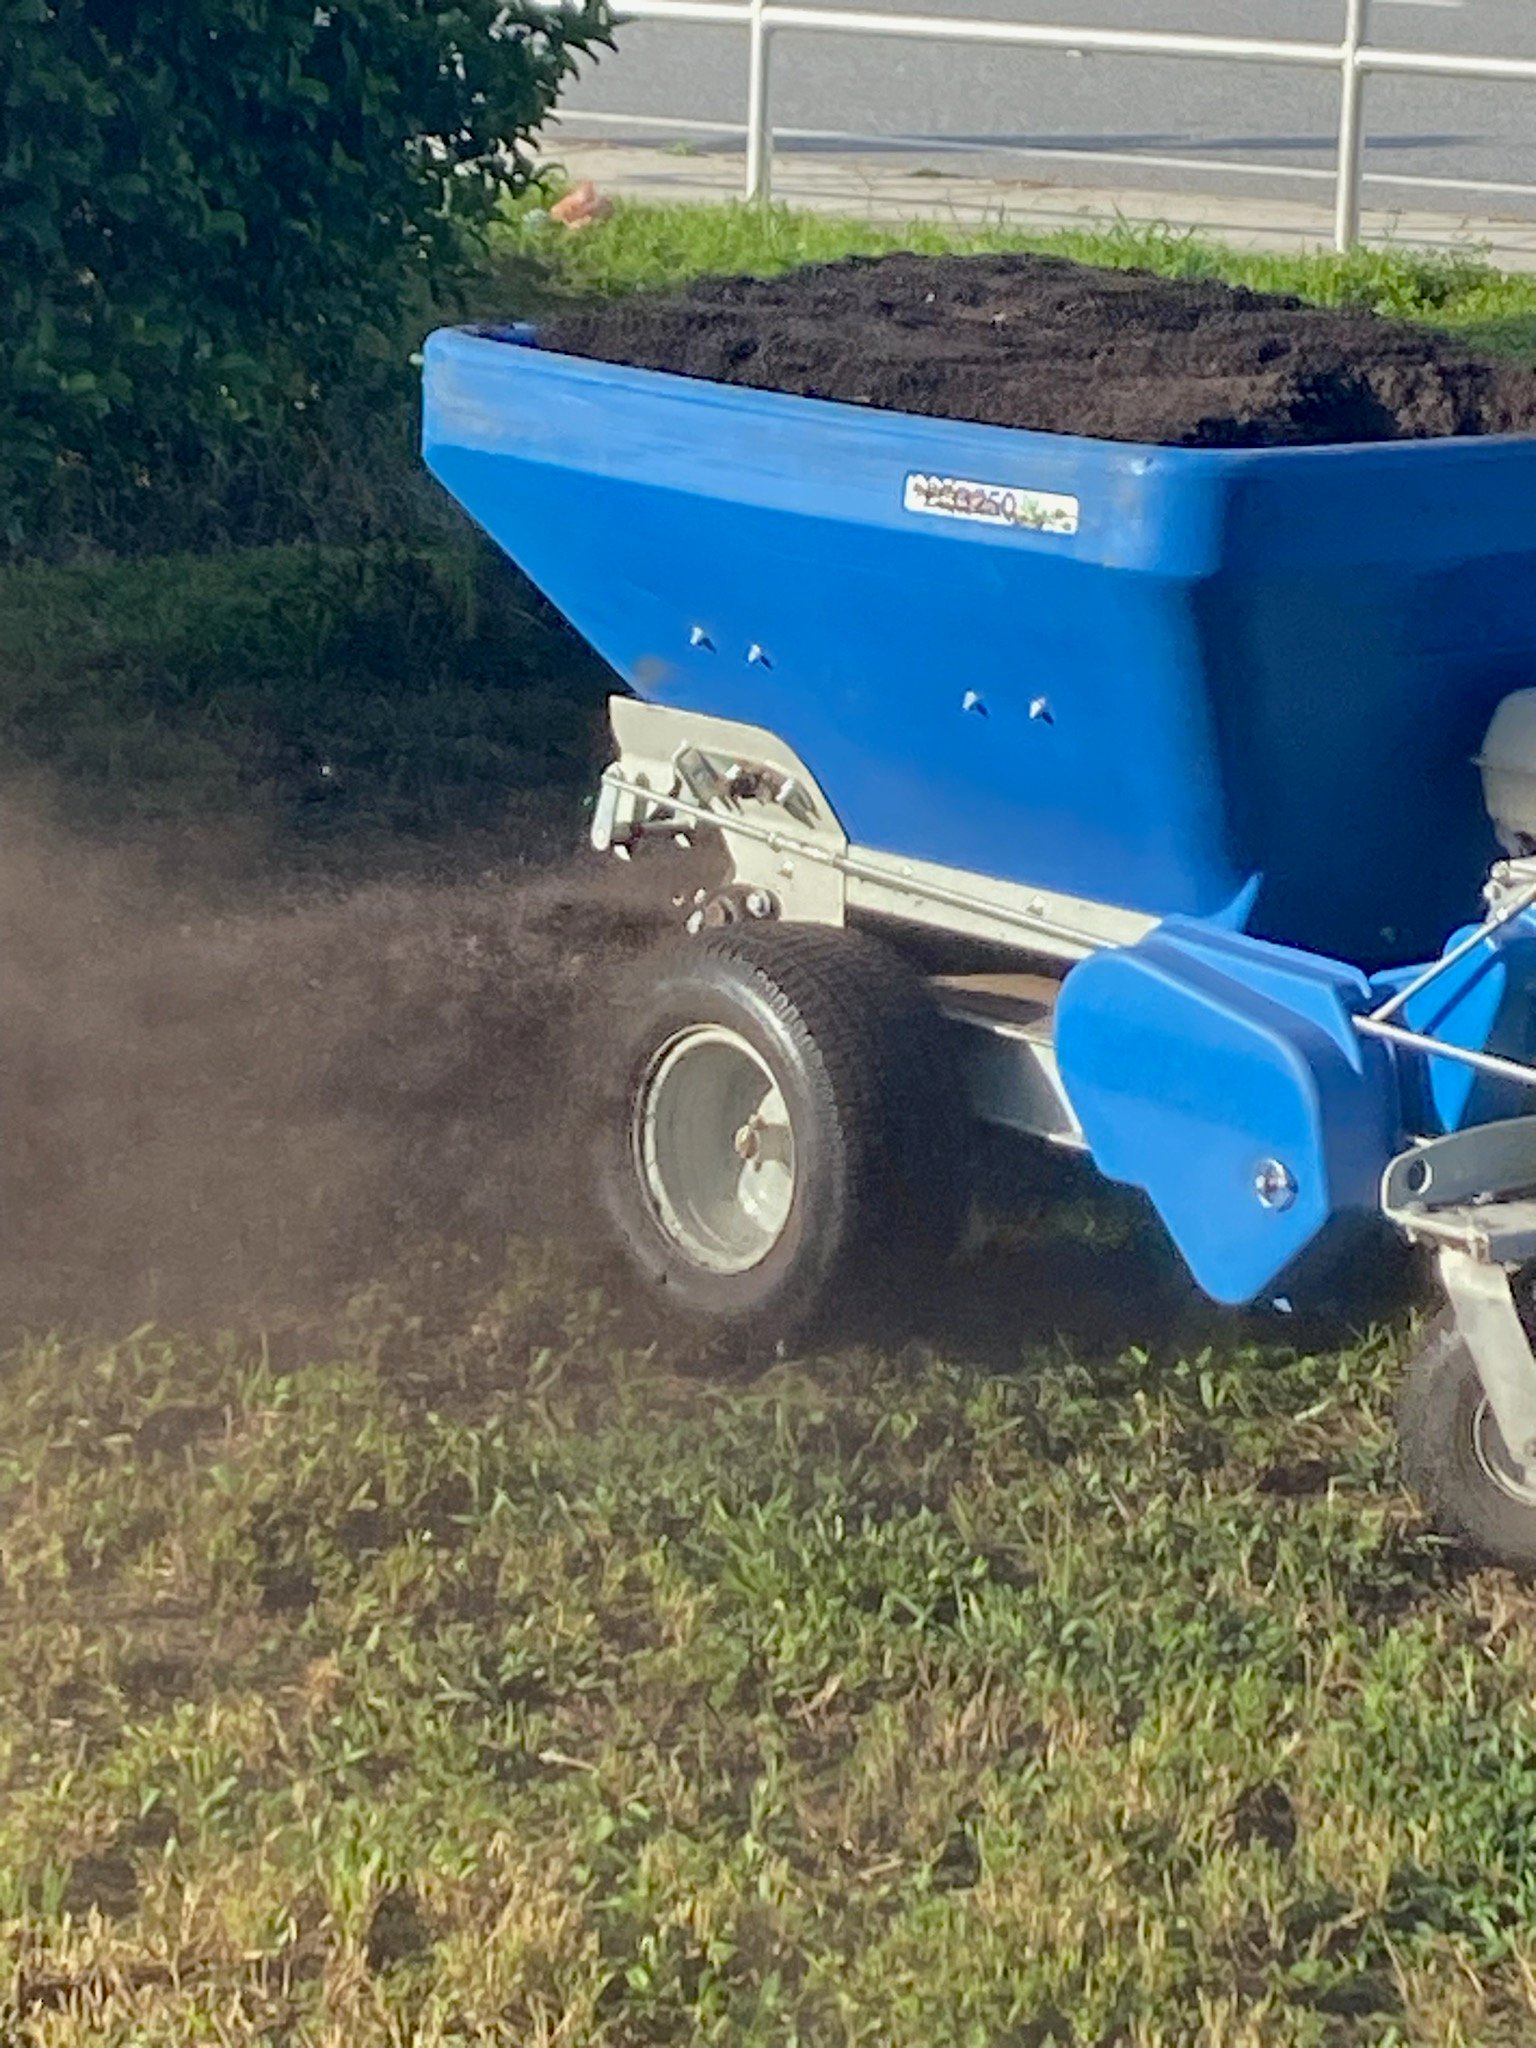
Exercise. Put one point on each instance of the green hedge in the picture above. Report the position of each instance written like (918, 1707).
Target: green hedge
(215, 215)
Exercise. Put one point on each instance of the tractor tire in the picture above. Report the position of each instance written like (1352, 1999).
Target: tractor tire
(786, 1130)
(1454, 1457)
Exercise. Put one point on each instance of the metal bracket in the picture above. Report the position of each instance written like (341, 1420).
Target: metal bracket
(605, 816)
(1468, 1194)
(1471, 1191)
(1008, 1052)
(680, 769)
(1490, 1326)
(1474, 1165)
(1490, 1233)
(701, 778)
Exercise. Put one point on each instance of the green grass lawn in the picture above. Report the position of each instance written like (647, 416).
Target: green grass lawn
(480, 1677)
(466, 1666)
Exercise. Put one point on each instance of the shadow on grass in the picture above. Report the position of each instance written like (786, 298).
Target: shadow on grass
(1087, 1265)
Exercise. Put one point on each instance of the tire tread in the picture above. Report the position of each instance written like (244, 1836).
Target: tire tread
(1436, 1403)
(879, 1073)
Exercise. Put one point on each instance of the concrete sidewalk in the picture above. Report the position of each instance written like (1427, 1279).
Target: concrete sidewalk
(886, 188)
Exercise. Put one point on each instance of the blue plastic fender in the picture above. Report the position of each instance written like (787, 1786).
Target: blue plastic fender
(1222, 1075)
(1486, 1003)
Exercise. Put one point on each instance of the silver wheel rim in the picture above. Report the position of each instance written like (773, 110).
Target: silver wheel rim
(1494, 1459)
(714, 1149)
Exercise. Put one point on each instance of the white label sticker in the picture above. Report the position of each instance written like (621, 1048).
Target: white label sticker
(953, 497)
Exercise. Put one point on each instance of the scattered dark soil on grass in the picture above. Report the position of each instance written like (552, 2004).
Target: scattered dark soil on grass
(1037, 341)
(232, 1113)
(243, 1107)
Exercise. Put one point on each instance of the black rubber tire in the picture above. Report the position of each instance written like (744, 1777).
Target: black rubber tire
(1438, 1414)
(869, 1081)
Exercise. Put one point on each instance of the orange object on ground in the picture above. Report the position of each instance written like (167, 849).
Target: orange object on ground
(582, 205)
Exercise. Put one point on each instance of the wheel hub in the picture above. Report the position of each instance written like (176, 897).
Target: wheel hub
(714, 1148)
(1492, 1454)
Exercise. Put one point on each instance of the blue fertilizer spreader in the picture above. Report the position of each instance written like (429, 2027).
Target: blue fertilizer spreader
(1174, 806)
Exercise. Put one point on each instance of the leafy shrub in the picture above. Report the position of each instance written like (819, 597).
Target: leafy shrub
(216, 215)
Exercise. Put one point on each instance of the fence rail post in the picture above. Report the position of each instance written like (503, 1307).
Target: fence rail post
(759, 125)
(1352, 60)
(1346, 208)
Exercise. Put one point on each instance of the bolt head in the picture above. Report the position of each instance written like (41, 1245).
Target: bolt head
(1275, 1184)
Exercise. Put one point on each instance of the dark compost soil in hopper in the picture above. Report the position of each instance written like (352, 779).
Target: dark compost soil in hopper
(1035, 341)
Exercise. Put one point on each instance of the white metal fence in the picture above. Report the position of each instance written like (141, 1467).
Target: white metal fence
(1353, 59)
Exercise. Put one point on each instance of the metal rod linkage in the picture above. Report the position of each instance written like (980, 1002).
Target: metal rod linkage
(1416, 1041)
(1506, 912)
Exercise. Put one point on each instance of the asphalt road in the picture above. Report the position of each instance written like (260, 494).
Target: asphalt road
(1153, 123)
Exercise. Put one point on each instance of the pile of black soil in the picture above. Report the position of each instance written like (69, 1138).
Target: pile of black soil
(1036, 341)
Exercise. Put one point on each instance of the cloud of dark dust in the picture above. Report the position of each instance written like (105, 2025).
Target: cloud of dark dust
(215, 1113)
(239, 1105)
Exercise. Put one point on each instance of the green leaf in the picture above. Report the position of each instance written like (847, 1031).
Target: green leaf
(185, 187)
